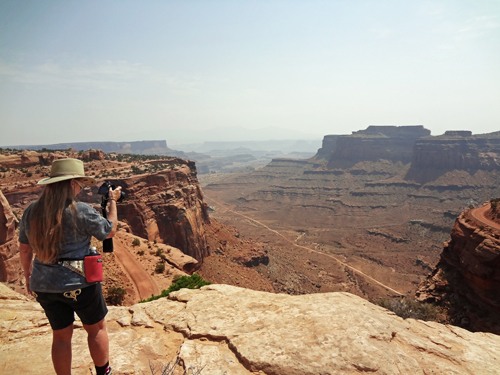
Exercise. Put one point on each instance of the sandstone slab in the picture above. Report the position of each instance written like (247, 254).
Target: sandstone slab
(221, 329)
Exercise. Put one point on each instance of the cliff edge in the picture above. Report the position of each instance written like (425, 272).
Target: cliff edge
(467, 278)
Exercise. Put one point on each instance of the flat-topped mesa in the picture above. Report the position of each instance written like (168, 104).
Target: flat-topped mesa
(136, 147)
(328, 147)
(405, 131)
(458, 133)
(458, 150)
(10, 264)
(393, 143)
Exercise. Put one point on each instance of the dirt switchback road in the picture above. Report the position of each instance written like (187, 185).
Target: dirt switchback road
(308, 248)
(144, 283)
(478, 214)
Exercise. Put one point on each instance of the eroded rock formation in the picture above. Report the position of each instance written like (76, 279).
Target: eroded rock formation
(231, 330)
(467, 278)
(10, 264)
(166, 206)
(392, 143)
(434, 156)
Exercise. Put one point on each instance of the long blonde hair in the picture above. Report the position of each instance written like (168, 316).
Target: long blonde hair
(46, 227)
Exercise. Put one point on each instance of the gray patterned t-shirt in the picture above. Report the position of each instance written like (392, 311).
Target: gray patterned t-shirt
(54, 278)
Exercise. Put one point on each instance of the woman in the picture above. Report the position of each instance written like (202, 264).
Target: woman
(57, 228)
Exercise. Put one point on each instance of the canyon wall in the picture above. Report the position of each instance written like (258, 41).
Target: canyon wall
(458, 152)
(10, 263)
(455, 150)
(166, 207)
(393, 143)
(467, 278)
(164, 202)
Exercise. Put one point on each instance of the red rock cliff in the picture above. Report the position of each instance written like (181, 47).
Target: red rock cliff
(467, 278)
(166, 206)
(10, 264)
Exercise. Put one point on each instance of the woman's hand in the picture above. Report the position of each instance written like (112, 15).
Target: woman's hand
(115, 194)
(26, 254)
(27, 281)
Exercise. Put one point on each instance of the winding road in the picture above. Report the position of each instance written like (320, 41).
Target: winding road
(145, 285)
(309, 249)
(478, 214)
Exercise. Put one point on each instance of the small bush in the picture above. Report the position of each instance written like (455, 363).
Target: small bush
(141, 253)
(160, 268)
(407, 308)
(136, 242)
(159, 252)
(190, 282)
(116, 295)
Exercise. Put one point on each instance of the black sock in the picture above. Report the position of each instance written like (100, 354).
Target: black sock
(101, 370)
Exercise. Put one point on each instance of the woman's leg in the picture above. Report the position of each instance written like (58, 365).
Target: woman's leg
(61, 350)
(98, 342)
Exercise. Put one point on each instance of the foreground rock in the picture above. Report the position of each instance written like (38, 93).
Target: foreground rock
(232, 330)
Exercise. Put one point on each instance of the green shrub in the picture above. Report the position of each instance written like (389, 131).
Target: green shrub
(116, 295)
(190, 282)
(159, 252)
(160, 268)
(141, 252)
(407, 308)
(136, 242)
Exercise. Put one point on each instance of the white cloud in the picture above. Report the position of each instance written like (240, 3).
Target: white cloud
(477, 27)
(107, 75)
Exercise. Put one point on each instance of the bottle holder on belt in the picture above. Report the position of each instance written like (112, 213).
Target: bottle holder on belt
(89, 267)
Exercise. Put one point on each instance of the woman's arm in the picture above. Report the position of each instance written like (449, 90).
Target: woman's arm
(26, 254)
(112, 215)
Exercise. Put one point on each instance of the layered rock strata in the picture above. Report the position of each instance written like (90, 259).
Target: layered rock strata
(225, 329)
(166, 207)
(10, 263)
(29, 158)
(458, 151)
(467, 278)
(392, 143)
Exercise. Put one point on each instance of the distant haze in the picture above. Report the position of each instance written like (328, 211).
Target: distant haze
(194, 71)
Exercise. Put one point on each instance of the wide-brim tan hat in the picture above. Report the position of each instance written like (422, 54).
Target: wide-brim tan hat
(67, 169)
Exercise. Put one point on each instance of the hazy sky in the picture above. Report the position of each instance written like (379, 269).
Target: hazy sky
(178, 70)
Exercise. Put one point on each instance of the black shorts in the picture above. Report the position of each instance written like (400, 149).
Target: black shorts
(87, 302)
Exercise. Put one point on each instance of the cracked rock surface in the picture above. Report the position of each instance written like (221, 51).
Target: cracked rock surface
(230, 330)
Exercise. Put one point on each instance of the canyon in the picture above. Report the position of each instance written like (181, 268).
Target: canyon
(374, 205)
(294, 243)
(366, 215)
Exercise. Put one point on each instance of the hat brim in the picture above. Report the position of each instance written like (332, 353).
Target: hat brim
(87, 181)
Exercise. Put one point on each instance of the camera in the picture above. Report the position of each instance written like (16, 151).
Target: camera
(104, 190)
(107, 244)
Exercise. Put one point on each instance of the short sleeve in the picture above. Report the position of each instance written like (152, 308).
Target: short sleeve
(23, 235)
(92, 223)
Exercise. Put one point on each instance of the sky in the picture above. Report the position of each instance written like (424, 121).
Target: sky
(188, 71)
